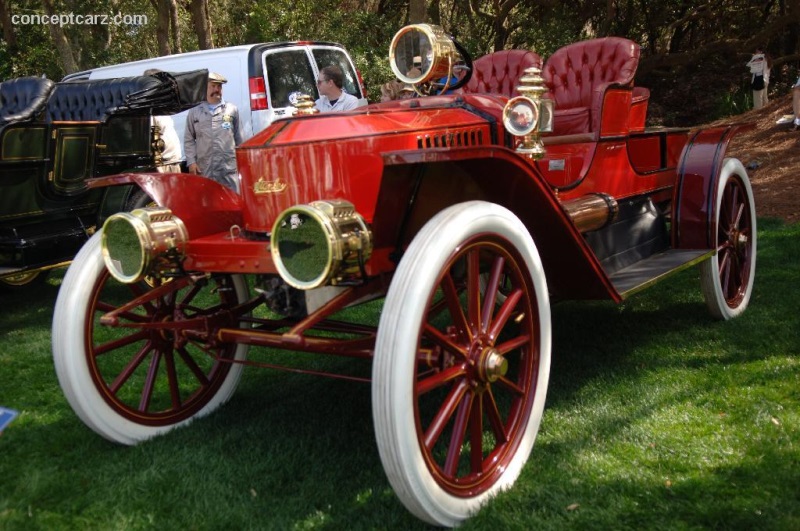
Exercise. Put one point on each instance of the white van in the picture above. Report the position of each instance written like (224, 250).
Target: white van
(261, 77)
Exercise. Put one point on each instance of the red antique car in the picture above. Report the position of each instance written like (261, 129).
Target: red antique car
(468, 210)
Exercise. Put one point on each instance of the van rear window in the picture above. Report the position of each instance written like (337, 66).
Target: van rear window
(287, 72)
(334, 56)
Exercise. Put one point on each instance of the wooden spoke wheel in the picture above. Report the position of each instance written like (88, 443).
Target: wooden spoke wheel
(23, 280)
(150, 373)
(727, 279)
(462, 362)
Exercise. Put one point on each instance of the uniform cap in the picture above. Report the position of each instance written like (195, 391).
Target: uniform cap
(213, 77)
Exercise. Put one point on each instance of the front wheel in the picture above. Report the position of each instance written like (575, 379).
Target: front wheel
(462, 362)
(149, 374)
(727, 278)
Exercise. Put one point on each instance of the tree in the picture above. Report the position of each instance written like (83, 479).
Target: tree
(60, 41)
(201, 22)
(416, 11)
(9, 35)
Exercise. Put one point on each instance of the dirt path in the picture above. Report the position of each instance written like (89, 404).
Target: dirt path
(771, 154)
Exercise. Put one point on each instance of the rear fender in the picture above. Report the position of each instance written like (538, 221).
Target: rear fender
(205, 206)
(418, 184)
(694, 218)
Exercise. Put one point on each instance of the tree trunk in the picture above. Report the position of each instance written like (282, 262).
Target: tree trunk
(176, 28)
(416, 11)
(63, 47)
(9, 35)
(435, 12)
(162, 25)
(202, 23)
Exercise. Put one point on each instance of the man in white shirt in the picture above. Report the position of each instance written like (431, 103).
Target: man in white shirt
(171, 154)
(331, 95)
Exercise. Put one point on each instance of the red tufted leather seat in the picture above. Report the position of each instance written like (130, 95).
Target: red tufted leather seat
(499, 72)
(641, 97)
(578, 75)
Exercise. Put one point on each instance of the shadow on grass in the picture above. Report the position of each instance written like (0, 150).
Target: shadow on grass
(657, 417)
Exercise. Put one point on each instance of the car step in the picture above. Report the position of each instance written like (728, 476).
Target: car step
(647, 272)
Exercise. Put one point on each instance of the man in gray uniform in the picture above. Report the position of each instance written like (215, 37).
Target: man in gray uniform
(212, 134)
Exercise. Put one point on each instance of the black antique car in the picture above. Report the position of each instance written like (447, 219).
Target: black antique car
(54, 139)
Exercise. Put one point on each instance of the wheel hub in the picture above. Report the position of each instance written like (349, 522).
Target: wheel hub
(492, 365)
(741, 241)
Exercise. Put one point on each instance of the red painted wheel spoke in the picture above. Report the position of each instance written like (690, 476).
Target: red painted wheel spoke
(190, 295)
(444, 341)
(172, 378)
(513, 344)
(476, 436)
(130, 368)
(188, 360)
(150, 382)
(737, 221)
(491, 292)
(495, 419)
(440, 378)
(454, 305)
(459, 433)
(103, 307)
(444, 414)
(725, 267)
(735, 277)
(138, 291)
(734, 208)
(474, 289)
(511, 386)
(110, 346)
(501, 319)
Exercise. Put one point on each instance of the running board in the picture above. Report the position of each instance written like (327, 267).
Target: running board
(647, 272)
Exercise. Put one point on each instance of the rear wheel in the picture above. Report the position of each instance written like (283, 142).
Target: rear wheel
(727, 278)
(138, 199)
(462, 362)
(147, 376)
(23, 280)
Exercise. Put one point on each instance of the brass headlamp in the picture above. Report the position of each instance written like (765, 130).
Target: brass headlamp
(143, 242)
(422, 52)
(323, 242)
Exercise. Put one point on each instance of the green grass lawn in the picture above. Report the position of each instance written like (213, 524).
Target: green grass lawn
(658, 417)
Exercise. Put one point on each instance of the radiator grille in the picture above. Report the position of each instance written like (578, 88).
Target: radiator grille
(467, 137)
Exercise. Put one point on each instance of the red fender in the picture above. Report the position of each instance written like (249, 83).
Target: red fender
(211, 207)
(695, 197)
(497, 175)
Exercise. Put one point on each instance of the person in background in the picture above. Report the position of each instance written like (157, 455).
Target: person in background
(212, 134)
(393, 90)
(796, 105)
(171, 155)
(759, 65)
(331, 95)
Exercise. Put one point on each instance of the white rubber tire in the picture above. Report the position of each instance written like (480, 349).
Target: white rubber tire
(733, 177)
(395, 356)
(70, 352)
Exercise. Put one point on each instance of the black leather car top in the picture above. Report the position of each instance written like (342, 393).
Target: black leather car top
(23, 98)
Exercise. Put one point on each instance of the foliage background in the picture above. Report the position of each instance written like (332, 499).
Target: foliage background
(693, 51)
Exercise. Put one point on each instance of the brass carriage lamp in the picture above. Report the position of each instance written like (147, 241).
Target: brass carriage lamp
(528, 115)
(157, 144)
(304, 105)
